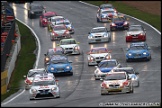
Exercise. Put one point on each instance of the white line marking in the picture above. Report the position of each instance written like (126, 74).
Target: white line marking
(129, 16)
(36, 63)
(13, 98)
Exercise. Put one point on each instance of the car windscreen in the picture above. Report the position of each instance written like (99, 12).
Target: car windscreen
(101, 50)
(32, 74)
(137, 48)
(108, 12)
(118, 19)
(36, 7)
(107, 64)
(44, 83)
(118, 76)
(135, 29)
(59, 28)
(128, 71)
(68, 42)
(55, 52)
(98, 30)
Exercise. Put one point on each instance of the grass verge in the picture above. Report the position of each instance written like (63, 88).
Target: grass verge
(25, 60)
(154, 20)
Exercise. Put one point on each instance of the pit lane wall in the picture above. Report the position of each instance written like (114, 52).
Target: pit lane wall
(10, 63)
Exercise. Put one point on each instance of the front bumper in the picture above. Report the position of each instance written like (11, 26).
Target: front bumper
(135, 38)
(72, 51)
(96, 40)
(120, 89)
(39, 95)
(138, 58)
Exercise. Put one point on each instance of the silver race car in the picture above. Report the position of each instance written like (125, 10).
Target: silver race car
(116, 82)
(44, 86)
(99, 34)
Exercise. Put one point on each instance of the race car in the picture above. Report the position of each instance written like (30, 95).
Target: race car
(104, 67)
(70, 46)
(99, 34)
(131, 72)
(52, 21)
(59, 64)
(116, 82)
(44, 18)
(136, 33)
(44, 86)
(106, 15)
(29, 77)
(97, 54)
(107, 6)
(51, 52)
(35, 10)
(67, 23)
(59, 32)
(119, 22)
(138, 51)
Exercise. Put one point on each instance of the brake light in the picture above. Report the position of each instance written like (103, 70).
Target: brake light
(28, 81)
(104, 85)
(126, 83)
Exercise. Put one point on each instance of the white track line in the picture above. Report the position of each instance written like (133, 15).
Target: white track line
(129, 16)
(36, 63)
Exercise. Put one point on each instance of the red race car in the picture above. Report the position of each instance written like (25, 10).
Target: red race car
(136, 33)
(44, 18)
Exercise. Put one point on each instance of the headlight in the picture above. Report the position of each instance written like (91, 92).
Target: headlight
(129, 54)
(52, 68)
(113, 24)
(69, 28)
(47, 59)
(54, 88)
(142, 33)
(108, 57)
(125, 23)
(105, 35)
(52, 34)
(32, 12)
(34, 90)
(67, 67)
(90, 36)
(144, 53)
(91, 58)
(76, 48)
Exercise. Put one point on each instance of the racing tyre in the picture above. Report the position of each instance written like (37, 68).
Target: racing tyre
(31, 99)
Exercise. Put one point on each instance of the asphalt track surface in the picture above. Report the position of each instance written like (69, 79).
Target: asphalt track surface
(82, 89)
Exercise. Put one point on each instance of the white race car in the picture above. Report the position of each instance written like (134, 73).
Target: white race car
(29, 77)
(70, 46)
(99, 34)
(131, 72)
(116, 82)
(97, 54)
(44, 86)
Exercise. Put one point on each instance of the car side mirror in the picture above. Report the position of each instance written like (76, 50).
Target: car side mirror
(101, 79)
(149, 48)
(70, 62)
(136, 73)
(96, 66)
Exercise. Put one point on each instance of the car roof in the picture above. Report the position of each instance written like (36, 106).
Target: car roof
(98, 27)
(109, 60)
(138, 44)
(67, 39)
(107, 9)
(37, 70)
(99, 48)
(55, 17)
(117, 72)
(123, 68)
(103, 5)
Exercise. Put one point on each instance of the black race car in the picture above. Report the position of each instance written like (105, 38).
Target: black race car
(35, 10)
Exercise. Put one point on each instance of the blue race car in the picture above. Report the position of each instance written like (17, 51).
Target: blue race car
(59, 64)
(138, 51)
(104, 67)
(119, 22)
